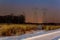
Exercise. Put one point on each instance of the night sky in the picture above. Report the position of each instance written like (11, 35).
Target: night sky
(28, 6)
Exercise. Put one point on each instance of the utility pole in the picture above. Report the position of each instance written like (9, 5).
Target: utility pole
(44, 15)
(55, 16)
(35, 15)
(24, 14)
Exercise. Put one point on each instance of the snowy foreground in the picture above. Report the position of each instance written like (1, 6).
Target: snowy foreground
(49, 36)
(39, 35)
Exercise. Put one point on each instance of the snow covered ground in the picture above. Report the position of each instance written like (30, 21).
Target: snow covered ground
(48, 36)
(25, 36)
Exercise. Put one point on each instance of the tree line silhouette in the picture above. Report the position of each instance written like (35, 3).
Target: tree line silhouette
(12, 19)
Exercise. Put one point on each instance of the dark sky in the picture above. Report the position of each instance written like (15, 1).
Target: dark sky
(17, 6)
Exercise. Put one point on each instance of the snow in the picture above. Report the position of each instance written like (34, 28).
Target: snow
(22, 37)
(57, 38)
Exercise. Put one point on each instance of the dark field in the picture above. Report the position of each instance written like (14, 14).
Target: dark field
(20, 29)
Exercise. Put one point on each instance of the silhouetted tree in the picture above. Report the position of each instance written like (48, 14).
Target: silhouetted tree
(21, 19)
(12, 19)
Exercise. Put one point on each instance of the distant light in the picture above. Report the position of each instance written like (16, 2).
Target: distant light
(23, 39)
(59, 39)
